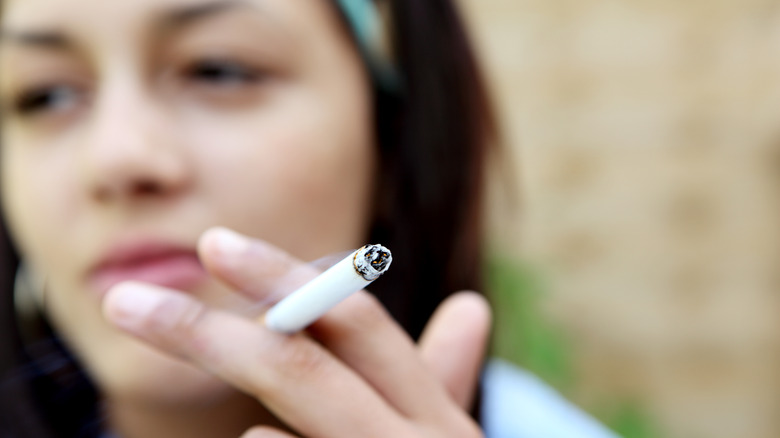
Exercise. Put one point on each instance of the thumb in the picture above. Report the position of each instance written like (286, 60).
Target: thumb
(454, 341)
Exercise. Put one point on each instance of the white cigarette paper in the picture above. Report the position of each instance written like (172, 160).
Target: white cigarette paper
(307, 304)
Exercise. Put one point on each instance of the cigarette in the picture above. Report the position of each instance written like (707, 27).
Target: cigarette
(312, 300)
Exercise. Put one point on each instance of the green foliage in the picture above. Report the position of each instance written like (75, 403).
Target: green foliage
(525, 336)
(629, 421)
(522, 333)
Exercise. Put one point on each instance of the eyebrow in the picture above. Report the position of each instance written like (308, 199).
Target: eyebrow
(187, 15)
(170, 20)
(35, 38)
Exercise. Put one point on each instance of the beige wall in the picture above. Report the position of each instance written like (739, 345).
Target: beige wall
(648, 141)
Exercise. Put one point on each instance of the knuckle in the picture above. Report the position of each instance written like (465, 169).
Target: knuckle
(300, 361)
(188, 319)
(366, 312)
(176, 325)
(275, 262)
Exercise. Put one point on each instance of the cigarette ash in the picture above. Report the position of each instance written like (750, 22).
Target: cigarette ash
(371, 261)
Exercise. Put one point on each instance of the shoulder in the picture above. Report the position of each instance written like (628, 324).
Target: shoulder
(517, 404)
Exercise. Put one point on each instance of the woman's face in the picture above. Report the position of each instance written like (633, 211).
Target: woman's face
(130, 127)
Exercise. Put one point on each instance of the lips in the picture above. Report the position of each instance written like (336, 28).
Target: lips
(151, 262)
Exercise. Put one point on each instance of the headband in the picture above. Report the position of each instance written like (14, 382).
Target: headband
(372, 36)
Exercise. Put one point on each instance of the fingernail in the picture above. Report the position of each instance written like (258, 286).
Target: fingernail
(129, 304)
(230, 242)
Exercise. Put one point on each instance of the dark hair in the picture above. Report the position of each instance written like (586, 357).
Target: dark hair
(433, 138)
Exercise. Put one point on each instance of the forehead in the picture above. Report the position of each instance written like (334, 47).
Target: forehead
(31, 12)
(128, 18)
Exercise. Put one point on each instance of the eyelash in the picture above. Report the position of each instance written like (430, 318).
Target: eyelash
(42, 98)
(215, 73)
(222, 73)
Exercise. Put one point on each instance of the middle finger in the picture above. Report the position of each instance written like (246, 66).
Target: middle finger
(359, 331)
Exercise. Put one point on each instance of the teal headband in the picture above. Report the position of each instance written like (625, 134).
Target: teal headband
(370, 32)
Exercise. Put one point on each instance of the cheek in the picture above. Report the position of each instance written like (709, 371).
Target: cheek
(300, 177)
(46, 216)
(39, 199)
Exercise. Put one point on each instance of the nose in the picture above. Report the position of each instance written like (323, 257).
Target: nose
(129, 150)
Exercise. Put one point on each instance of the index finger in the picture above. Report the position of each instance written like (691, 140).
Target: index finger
(253, 268)
(295, 377)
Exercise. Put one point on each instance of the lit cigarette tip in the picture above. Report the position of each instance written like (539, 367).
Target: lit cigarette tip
(312, 300)
(371, 261)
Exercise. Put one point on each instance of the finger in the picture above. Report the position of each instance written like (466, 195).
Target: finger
(265, 432)
(358, 331)
(252, 267)
(454, 342)
(362, 334)
(296, 378)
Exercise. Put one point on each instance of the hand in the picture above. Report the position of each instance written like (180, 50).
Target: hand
(353, 373)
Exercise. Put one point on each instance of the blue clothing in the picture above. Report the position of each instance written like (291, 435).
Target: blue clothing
(517, 404)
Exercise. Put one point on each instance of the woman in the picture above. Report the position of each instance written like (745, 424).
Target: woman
(133, 133)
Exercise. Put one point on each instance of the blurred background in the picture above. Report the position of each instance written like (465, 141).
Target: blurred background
(638, 273)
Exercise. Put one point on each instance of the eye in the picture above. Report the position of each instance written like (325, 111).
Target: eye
(222, 73)
(46, 99)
